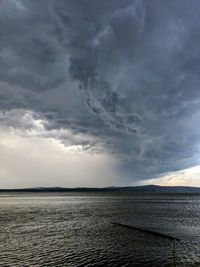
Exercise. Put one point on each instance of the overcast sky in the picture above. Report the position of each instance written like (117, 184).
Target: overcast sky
(99, 92)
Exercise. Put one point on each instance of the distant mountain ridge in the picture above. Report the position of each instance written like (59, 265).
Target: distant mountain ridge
(137, 189)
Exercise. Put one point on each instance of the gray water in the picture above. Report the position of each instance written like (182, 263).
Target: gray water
(77, 230)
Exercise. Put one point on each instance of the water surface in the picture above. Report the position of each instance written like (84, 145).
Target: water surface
(66, 229)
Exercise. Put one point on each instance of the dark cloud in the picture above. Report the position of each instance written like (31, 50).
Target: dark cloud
(124, 71)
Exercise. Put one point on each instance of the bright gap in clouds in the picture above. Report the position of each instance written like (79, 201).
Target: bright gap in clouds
(31, 161)
(32, 156)
(187, 177)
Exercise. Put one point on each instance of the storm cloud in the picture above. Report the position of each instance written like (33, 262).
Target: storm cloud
(120, 76)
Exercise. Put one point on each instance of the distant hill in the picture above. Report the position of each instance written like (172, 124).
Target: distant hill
(137, 189)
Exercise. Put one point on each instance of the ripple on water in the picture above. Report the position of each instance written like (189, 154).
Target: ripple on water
(76, 230)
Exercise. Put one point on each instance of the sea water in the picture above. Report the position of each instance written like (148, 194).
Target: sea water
(76, 229)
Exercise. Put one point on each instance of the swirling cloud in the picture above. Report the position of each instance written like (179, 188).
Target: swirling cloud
(123, 75)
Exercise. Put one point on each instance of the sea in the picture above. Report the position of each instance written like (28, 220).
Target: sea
(78, 229)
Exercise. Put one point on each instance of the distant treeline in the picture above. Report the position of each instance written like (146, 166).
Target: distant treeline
(137, 189)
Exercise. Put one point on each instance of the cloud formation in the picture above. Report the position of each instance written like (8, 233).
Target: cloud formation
(30, 161)
(122, 74)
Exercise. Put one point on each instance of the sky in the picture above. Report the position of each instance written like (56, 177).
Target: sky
(99, 93)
